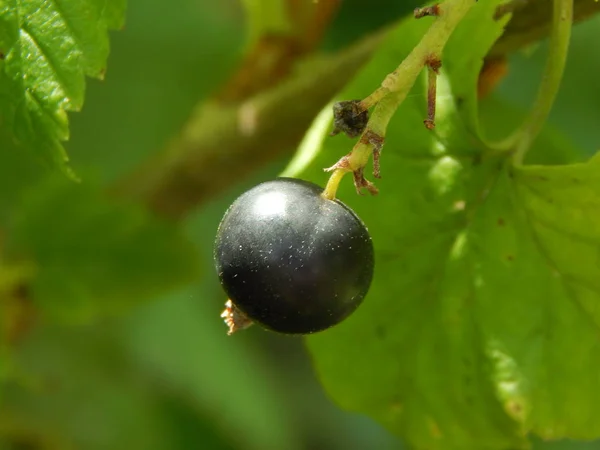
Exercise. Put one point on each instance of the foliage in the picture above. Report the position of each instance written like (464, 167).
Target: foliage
(486, 276)
(480, 329)
(47, 49)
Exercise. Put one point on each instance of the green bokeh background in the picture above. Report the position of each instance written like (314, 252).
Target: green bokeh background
(166, 376)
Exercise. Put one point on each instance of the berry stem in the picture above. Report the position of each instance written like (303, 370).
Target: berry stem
(333, 183)
(374, 98)
(396, 86)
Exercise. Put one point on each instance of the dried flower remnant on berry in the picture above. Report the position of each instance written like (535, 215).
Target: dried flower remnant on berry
(234, 318)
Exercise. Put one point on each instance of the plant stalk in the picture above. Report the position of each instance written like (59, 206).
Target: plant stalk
(555, 64)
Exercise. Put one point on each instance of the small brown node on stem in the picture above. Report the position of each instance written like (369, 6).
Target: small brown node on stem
(350, 118)
(427, 11)
(434, 63)
(234, 318)
(361, 182)
(343, 163)
(372, 138)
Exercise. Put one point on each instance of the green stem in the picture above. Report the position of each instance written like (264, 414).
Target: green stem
(550, 84)
(398, 84)
(378, 123)
(333, 183)
(430, 47)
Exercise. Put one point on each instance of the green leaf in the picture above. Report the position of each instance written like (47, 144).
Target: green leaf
(47, 49)
(481, 324)
(94, 256)
(560, 206)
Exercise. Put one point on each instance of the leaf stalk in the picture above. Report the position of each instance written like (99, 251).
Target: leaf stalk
(555, 65)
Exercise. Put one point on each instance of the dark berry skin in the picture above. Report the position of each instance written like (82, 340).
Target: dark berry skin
(291, 260)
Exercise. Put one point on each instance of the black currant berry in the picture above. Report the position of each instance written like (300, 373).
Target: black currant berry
(290, 259)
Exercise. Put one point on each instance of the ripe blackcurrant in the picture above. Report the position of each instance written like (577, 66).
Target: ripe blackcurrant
(290, 259)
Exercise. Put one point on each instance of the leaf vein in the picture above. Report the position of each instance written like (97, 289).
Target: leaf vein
(570, 294)
(24, 31)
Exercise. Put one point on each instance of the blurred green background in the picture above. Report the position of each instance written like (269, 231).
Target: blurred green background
(166, 376)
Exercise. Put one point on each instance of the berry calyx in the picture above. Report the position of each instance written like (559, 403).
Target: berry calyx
(290, 259)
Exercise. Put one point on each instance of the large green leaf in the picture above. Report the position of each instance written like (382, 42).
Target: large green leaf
(481, 325)
(47, 48)
(94, 256)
